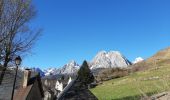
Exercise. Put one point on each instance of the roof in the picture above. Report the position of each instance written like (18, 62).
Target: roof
(22, 93)
(76, 91)
(7, 83)
(38, 78)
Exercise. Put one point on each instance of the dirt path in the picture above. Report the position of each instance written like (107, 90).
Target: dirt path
(161, 96)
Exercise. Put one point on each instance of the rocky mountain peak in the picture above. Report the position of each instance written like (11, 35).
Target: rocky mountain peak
(72, 63)
(70, 68)
(109, 60)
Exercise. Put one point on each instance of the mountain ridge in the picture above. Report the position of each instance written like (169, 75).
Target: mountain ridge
(103, 59)
(109, 59)
(69, 68)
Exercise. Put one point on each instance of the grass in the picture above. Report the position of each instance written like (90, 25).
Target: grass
(136, 85)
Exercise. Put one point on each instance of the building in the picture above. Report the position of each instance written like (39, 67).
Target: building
(31, 88)
(62, 83)
(49, 95)
(53, 86)
(7, 83)
(59, 85)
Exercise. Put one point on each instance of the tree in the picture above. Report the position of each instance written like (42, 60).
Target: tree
(1, 10)
(84, 74)
(17, 37)
(1, 6)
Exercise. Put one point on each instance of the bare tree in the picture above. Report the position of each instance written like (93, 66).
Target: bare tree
(16, 35)
(1, 37)
(1, 7)
(1, 10)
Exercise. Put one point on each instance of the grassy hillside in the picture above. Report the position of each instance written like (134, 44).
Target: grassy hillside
(154, 80)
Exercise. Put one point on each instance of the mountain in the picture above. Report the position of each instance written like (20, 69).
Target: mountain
(51, 71)
(42, 74)
(103, 59)
(163, 54)
(70, 68)
(109, 60)
(137, 60)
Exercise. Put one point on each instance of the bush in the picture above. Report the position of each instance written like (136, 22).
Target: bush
(111, 73)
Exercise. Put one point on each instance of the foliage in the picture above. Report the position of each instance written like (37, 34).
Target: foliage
(85, 75)
(111, 73)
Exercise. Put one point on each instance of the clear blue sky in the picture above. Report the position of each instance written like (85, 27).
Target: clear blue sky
(78, 29)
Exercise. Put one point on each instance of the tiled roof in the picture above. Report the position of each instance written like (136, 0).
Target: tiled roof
(77, 92)
(7, 84)
(22, 93)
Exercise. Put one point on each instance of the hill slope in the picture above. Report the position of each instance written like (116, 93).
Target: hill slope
(153, 80)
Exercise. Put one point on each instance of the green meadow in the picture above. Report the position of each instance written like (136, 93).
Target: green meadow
(136, 85)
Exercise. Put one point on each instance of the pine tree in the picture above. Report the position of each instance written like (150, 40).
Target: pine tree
(85, 75)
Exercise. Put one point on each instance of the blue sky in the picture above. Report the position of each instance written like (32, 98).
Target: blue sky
(78, 29)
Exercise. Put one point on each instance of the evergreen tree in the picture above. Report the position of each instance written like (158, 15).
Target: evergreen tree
(84, 74)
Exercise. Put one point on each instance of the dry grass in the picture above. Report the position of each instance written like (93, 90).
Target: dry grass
(153, 80)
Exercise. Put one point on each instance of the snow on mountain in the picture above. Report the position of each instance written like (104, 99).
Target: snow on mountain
(137, 60)
(109, 60)
(102, 60)
(70, 68)
(51, 71)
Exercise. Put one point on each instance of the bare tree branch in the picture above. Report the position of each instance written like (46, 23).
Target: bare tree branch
(16, 37)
